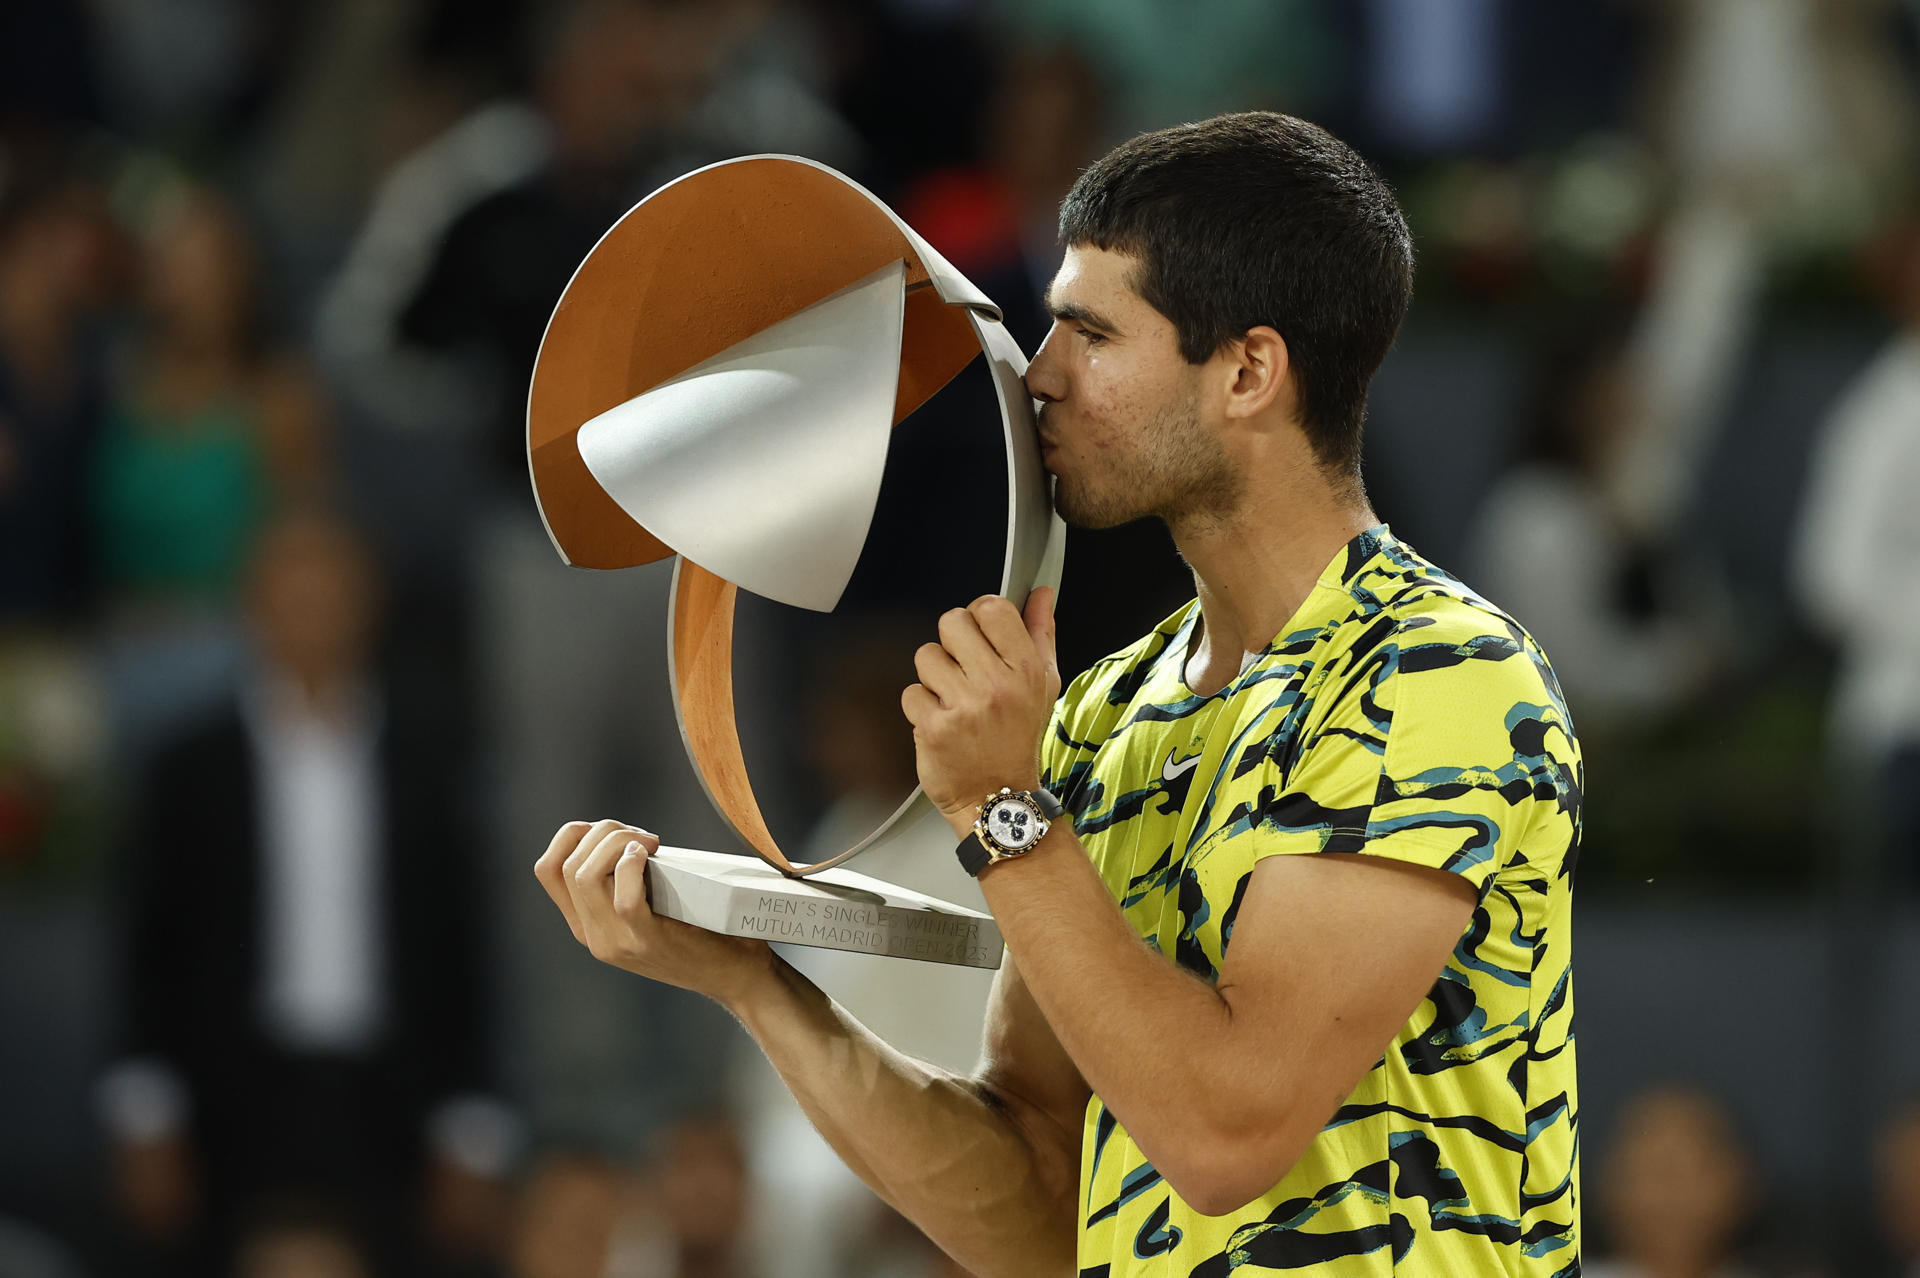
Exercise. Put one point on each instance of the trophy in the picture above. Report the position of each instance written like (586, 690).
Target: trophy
(719, 383)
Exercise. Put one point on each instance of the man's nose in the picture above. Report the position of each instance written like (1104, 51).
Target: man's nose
(1044, 380)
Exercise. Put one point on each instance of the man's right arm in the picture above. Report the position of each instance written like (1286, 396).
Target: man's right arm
(986, 1165)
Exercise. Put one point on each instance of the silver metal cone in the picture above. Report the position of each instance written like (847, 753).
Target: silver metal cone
(763, 464)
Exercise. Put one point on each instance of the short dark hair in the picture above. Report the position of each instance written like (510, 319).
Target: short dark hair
(1260, 218)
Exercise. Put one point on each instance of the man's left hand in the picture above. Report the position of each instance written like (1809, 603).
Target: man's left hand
(985, 694)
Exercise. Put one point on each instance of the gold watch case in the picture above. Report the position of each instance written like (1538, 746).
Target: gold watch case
(1010, 823)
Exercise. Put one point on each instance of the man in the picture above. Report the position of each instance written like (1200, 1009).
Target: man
(1855, 571)
(304, 1018)
(1336, 795)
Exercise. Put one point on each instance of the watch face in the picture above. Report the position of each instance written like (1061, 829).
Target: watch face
(1013, 825)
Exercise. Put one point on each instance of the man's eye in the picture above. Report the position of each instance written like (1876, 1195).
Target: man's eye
(1093, 338)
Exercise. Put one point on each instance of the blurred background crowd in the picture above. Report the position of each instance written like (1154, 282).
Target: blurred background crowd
(293, 689)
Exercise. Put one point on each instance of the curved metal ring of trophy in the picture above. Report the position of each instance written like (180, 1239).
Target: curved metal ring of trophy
(720, 381)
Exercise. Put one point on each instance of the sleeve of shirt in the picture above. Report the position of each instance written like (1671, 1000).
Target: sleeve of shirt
(1434, 751)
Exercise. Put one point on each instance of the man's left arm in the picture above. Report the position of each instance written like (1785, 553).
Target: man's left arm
(1222, 1086)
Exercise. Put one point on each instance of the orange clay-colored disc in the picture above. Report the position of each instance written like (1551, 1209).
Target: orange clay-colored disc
(698, 266)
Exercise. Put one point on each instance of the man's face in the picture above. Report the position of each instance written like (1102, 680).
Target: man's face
(1124, 422)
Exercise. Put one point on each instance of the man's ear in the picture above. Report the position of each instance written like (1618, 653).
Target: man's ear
(1259, 366)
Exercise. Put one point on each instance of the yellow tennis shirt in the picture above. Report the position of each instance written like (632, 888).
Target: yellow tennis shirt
(1398, 714)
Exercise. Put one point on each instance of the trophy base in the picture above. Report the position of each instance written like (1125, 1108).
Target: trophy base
(835, 909)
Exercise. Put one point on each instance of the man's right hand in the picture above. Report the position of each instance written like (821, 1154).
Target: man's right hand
(597, 875)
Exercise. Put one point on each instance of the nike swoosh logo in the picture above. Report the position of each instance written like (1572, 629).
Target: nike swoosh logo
(1168, 772)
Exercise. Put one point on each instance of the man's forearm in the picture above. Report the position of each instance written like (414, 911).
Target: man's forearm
(977, 1171)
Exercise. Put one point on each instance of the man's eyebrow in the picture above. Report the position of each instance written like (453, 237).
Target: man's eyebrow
(1075, 313)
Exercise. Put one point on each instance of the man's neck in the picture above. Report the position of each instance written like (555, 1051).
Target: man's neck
(1254, 568)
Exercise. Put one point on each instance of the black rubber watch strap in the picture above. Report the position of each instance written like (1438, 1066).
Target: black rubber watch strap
(974, 856)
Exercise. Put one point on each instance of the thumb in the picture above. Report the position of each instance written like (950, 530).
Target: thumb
(1039, 619)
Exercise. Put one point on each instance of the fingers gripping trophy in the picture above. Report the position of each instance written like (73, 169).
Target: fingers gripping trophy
(719, 383)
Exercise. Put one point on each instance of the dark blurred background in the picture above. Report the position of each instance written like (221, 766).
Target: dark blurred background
(293, 688)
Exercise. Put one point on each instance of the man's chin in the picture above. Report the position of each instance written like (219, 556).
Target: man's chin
(1093, 517)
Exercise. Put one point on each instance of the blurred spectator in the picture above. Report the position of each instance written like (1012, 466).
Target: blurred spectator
(571, 1208)
(997, 222)
(1170, 62)
(304, 989)
(1856, 565)
(359, 84)
(686, 1215)
(434, 319)
(55, 258)
(583, 1214)
(759, 76)
(1548, 548)
(884, 58)
(704, 1196)
(1786, 126)
(207, 432)
(1434, 74)
(1765, 99)
(296, 1239)
(1675, 1191)
(55, 772)
(1442, 81)
(1897, 1185)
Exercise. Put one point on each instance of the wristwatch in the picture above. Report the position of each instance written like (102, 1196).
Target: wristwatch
(1011, 822)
